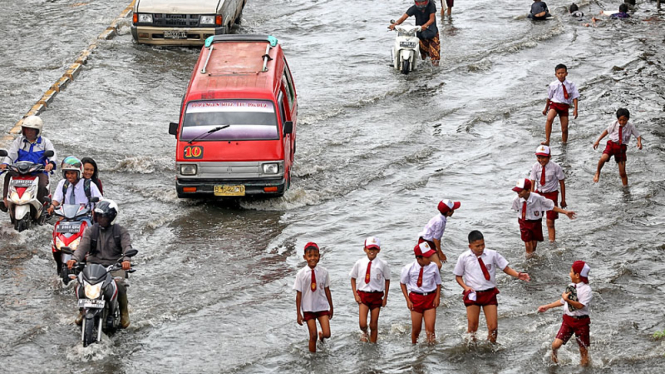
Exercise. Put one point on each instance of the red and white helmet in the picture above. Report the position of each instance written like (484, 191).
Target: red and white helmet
(421, 4)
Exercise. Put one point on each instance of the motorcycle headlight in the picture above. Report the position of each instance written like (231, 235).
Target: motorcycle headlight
(207, 20)
(93, 291)
(188, 169)
(75, 244)
(144, 18)
(59, 243)
(270, 168)
(13, 196)
(27, 196)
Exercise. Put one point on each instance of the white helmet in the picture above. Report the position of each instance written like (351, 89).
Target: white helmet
(33, 122)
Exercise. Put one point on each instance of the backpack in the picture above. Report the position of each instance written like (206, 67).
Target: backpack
(86, 188)
(94, 237)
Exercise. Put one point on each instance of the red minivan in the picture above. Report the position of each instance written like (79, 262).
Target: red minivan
(237, 130)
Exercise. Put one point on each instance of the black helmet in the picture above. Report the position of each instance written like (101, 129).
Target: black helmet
(106, 208)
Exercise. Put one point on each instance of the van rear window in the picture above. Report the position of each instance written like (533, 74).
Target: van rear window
(247, 120)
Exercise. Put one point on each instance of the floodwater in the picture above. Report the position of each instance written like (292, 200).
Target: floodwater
(376, 151)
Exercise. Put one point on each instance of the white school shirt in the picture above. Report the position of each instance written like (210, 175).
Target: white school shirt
(431, 277)
(312, 301)
(555, 92)
(378, 274)
(434, 228)
(584, 297)
(553, 174)
(79, 192)
(468, 267)
(535, 206)
(628, 130)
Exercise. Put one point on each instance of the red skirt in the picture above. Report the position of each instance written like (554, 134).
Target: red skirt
(422, 302)
(486, 297)
(531, 230)
(371, 299)
(575, 325)
(554, 196)
(616, 150)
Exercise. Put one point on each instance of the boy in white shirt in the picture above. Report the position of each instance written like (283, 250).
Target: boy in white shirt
(475, 272)
(421, 286)
(619, 132)
(561, 94)
(530, 207)
(313, 298)
(576, 319)
(374, 275)
(547, 180)
(433, 231)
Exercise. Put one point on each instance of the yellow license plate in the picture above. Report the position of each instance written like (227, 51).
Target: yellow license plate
(226, 190)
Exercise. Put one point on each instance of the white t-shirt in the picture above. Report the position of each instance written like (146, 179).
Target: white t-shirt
(79, 192)
(468, 267)
(431, 277)
(313, 301)
(628, 130)
(535, 206)
(584, 297)
(555, 92)
(379, 274)
(553, 174)
(434, 228)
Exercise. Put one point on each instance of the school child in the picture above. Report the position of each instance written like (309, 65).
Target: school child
(475, 271)
(620, 132)
(313, 298)
(576, 299)
(433, 231)
(374, 275)
(575, 11)
(547, 179)
(421, 285)
(530, 207)
(560, 95)
(539, 11)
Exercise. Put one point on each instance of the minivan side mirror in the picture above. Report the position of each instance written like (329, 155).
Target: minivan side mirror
(288, 127)
(173, 128)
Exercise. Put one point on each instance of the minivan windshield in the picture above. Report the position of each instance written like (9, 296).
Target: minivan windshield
(247, 120)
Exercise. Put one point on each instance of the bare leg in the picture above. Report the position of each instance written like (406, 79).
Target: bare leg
(430, 323)
(311, 326)
(492, 322)
(530, 248)
(374, 325)
(556, 344)
(564, 129)
(416, 326)
(472, 315)
(622, 173)
(548, 126)
(584, 353)
(362, 320)
(324, 321)
(601, 162)
(435, 259)
(550, 230)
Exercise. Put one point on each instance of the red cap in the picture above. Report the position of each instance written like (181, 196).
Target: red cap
(447, 205)
(373, 242)
(543, 150)
(581, 268)
(423, 249)
(522, 184)
(311, 245)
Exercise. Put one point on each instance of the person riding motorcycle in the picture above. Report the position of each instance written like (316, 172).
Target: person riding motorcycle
(105, 243)
(72, 189)
(30, 146)
(425, 14)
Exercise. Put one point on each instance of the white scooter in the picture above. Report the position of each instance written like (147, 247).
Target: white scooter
(406, 50)
(23, 206)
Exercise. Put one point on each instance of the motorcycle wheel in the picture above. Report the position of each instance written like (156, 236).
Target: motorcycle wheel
(22, 225)
(64, 274)
(406, 66)
(89, 331)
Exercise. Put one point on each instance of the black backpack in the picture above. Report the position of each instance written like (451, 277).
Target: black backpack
(86, 188)
(94, 237)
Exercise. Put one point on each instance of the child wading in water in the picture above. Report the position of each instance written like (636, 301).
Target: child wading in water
(560, 95)
(313, 298)
(576, 319)
(421, 285)
(619, 132)
(374, 278)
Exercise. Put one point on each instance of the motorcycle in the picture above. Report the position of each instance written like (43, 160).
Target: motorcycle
(67, 232)
(405, 52)
(97, 293)
(22, 203)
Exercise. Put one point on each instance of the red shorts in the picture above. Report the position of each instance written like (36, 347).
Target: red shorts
(371, 299)
(577, 325)
(616, 150)
(450, 3)
(422, 302)
(315, 315)
(554, 196)
(531, 230)
(560, 109)
(486, 297)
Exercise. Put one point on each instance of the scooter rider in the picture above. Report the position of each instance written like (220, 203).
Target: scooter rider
(105, 243)
(30, 146)
(72, 189)
(425, 13)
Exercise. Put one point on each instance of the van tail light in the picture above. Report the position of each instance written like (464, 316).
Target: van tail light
(135, 18)
(189, 189)
(218, 20)
(270, 189)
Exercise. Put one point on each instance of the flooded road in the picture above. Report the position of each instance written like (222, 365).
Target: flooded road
(376, 151)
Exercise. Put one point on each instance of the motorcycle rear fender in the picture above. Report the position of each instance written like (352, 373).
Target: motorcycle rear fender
(405, 54)
(20, 211)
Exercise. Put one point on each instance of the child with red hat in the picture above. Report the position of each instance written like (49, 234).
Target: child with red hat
(374, 275)
(421, 285)
(576, 319)
(313, 298)
(433, 231)
(530, 207)
(547, 179)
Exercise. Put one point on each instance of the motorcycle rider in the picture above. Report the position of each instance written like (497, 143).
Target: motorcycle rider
(105, 243)
(72, 189)
(30, 146)
(425, 13)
